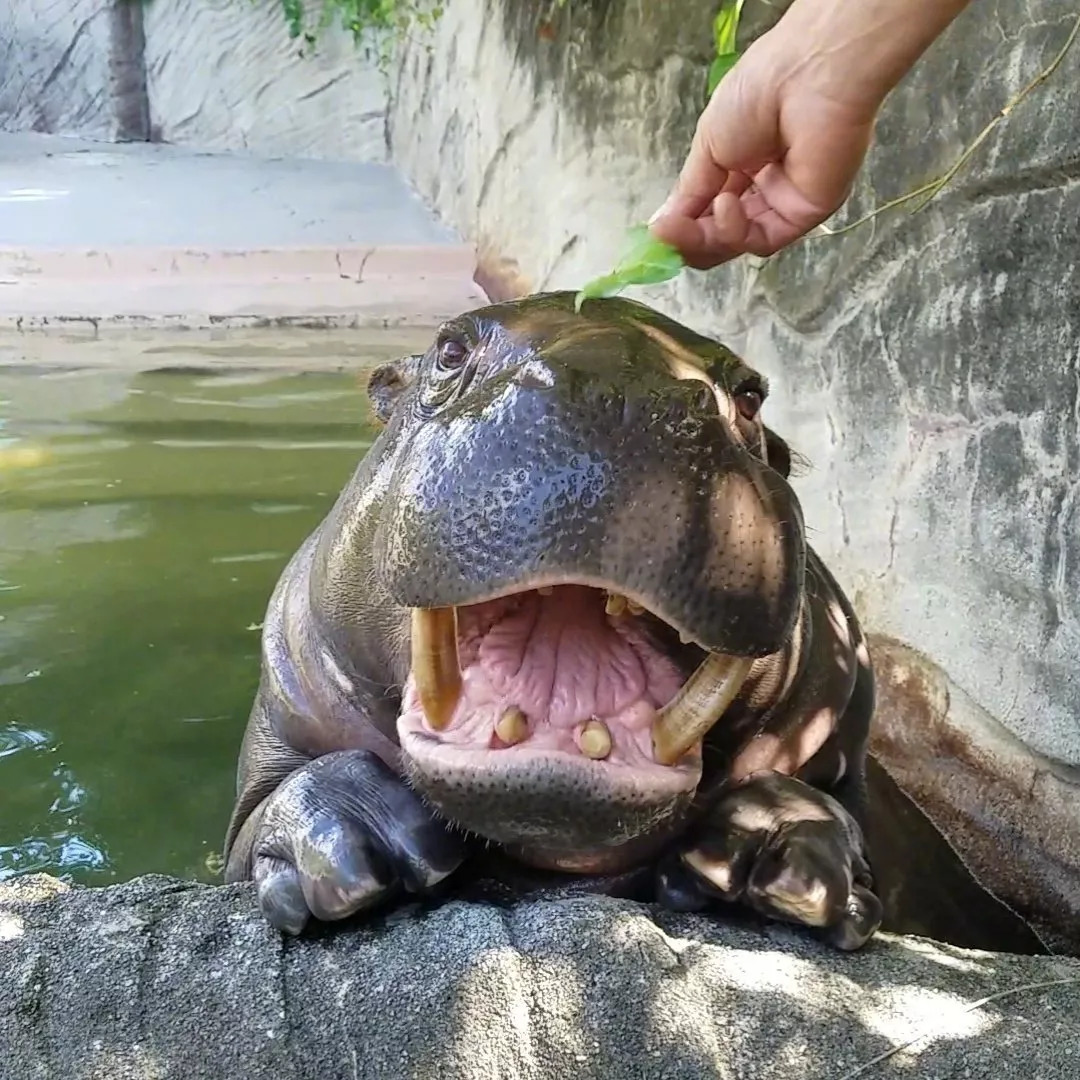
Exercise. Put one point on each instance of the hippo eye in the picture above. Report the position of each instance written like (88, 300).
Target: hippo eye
(450, 374)
(452, 354)
(748, 402)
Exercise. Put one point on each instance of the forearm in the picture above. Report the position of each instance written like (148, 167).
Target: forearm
(856, 51)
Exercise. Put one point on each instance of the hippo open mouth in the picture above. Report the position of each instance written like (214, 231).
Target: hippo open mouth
(561, 692)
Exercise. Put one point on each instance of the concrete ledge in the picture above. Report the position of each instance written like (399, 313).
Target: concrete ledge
(165, 979)
(188, 287)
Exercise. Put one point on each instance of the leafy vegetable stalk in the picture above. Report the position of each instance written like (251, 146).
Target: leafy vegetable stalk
(647, 260)
(725, 29)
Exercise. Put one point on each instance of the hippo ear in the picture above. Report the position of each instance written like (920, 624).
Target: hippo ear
(388, 382)
(782, 458)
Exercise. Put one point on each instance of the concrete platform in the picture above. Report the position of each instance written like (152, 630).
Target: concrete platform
(141, 232)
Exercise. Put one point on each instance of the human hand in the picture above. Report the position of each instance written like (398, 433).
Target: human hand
(775, 153)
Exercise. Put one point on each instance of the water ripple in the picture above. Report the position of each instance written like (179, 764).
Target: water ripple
(72, 793)
(14, 738)
(52, 855)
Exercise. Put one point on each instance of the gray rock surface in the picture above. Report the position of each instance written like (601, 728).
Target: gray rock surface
(223, 75)
(927, 365)
(55, 67)
(163, 979)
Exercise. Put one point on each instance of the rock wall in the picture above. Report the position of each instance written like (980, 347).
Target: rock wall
(928, 366)
(213, 74)
(225, 75)
(64, 68)
(165, 980)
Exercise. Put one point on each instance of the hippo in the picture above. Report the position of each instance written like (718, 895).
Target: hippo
(563, 624)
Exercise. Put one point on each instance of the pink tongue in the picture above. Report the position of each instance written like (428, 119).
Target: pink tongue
(558, 657)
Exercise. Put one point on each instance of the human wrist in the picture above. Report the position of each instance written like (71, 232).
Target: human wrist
(854, 52)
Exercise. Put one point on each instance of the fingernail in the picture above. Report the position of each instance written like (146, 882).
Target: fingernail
(660, 213)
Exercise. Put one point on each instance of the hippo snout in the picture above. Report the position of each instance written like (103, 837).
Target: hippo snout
(573, 480)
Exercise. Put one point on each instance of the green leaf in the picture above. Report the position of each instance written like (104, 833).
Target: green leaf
(726, 26)
(645, 261)
(725, 31)
(719, 68)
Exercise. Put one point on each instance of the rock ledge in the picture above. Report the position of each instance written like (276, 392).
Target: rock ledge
(159, 978)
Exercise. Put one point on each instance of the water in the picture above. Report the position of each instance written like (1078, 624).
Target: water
(144, 519)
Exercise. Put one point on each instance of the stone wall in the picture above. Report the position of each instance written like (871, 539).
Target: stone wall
(214, 74)
(158, 979)
(64, 69)
(225, 75)
(928, 366)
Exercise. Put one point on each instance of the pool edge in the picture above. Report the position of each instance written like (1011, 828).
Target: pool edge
(327, 287)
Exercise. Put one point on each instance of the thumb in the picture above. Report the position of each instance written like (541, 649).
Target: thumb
(731, 143)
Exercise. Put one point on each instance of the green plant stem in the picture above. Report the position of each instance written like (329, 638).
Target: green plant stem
(932, 187)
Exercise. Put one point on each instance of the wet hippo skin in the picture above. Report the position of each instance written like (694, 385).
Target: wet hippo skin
(563, 630)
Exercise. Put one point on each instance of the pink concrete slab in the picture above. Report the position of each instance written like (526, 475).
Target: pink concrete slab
(414, 285)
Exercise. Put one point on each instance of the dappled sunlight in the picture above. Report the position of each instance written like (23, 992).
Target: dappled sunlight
(937, 955)
(572, 987)
(31, 889)
(129, 1061)
(774, 971)
(836, 1015)
(901, 1013)
(11, 926)
(489, 998)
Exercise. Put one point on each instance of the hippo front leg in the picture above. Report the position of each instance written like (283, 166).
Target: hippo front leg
(340, 835)
(785, 849)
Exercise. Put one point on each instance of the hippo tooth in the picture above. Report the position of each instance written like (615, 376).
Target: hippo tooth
(435, 663)
(545, 590)
(634, 607)
(615, 604)
(595, 740)
(513, 726)
(697, 707)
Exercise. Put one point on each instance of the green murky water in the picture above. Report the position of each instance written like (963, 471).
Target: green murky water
(144, 519)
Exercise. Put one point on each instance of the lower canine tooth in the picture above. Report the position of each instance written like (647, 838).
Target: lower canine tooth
(698, 706)
(513, 727)
(616, 604)
(435, 663)
(595, 740)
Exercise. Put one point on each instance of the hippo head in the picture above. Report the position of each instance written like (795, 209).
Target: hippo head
(587, 538)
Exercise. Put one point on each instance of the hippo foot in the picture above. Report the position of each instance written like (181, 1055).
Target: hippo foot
(786, 850)
(341, 835)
